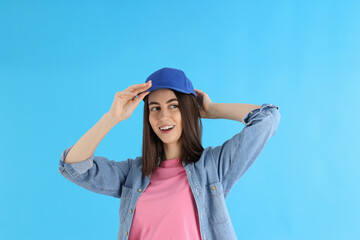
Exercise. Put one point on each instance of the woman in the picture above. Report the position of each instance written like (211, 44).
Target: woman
(176, 189)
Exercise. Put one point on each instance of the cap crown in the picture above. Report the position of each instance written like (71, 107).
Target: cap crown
(171, 78)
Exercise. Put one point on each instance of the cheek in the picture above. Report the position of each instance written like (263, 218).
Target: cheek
(178, 118)
(152, 122)
(179, 115)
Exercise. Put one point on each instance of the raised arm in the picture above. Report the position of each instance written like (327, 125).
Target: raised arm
(231, 111)
(88, 143)
(234, 157)
(95, 173)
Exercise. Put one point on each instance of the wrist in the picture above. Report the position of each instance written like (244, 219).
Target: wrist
(212, 110)
(110, 120)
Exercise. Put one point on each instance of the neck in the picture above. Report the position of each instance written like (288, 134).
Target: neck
(171, 151)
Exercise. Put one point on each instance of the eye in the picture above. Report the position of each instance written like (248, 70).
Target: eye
(176, 106)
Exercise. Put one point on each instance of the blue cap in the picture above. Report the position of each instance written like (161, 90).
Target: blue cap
(170, 78)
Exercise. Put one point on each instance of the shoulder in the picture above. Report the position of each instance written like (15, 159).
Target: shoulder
(205, 158)
(137, 162)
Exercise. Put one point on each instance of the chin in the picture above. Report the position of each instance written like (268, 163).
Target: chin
(169, 141)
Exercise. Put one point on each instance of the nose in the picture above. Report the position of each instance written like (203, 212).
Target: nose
(164, 113)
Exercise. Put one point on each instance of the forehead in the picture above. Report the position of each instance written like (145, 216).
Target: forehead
(161, 95)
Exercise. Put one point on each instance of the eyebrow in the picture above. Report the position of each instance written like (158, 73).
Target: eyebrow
(171, 100)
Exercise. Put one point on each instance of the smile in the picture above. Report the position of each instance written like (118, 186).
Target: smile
(166, 131)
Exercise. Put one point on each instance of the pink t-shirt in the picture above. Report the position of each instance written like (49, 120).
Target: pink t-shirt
(167, 208)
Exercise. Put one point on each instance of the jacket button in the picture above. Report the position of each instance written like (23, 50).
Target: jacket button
(213, 187)
(130, 211)
(139, 190)
(126, 233)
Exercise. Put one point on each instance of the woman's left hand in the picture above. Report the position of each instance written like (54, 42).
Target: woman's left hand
(204, 103)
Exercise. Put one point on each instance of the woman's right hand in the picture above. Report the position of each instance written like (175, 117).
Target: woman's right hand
(125, 101)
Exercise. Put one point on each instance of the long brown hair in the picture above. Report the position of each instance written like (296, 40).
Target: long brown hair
(190, 139)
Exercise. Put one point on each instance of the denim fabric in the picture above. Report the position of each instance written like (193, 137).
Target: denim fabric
(211, 178)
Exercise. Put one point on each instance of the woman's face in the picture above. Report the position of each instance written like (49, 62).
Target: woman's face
(164, 111)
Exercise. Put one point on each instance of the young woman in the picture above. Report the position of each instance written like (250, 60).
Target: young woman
(176, 189)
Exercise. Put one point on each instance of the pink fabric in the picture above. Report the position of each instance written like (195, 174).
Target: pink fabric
(167, 208)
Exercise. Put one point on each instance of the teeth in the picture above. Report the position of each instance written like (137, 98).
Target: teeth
(167, 127)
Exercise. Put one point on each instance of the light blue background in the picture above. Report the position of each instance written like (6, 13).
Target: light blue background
(62, 63)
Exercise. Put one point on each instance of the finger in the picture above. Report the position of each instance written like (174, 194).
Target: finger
(136, 86)
(140, 86)
(141, 89)
(198, 91)
(127, 93)
(141, 97)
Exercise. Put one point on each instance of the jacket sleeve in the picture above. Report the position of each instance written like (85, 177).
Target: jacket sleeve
(236, 155)
(97, 174)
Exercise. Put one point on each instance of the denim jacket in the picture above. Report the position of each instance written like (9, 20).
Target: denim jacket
(211, 177)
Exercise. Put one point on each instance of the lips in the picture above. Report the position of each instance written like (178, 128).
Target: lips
(166, 125)
(167, 131)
